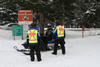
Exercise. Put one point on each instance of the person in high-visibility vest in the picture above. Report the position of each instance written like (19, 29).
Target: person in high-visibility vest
(26, 43)
(33, 39)
(59, 36)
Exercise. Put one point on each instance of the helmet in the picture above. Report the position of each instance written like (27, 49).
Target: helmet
(49, 25)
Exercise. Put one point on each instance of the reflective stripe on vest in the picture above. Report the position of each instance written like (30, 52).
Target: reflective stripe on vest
(33, 36)
(60, 31)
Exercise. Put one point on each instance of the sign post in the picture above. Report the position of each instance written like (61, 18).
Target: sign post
(17, 30)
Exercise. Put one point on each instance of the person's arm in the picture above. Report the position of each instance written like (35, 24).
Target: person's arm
(39, 37)
(27, 39)
(55, 34)
(64, 34)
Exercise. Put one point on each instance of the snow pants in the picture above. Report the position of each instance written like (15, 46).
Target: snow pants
(61, 42)
(33, 49)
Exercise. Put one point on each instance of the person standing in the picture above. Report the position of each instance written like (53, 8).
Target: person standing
(59, 36)
(49, 32)
(48, 36)
(33, 39)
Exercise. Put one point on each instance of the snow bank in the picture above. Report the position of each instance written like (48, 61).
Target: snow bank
(5, 34)
(70, 33)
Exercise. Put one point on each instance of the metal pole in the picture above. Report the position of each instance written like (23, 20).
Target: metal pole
(82, 31)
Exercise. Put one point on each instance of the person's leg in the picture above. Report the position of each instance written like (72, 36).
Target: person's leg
(32, 53)
(62, 46)
(43, 43)
(55, 47)
(38, 54)
(46, 43)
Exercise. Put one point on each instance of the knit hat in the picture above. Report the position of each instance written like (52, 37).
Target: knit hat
(58, 22)
(33, 24)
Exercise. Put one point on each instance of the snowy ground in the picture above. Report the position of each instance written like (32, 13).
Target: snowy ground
(80, 52)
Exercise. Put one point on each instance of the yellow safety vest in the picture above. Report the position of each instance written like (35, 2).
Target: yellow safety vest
(33, 36)
(60, 31)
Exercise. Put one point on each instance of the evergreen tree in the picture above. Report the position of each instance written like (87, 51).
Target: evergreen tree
(69, 12)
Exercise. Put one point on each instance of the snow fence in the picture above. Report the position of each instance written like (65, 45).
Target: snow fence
(70, 33)
(77, 32)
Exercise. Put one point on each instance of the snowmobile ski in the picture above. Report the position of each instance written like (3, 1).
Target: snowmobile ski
(24, 51)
